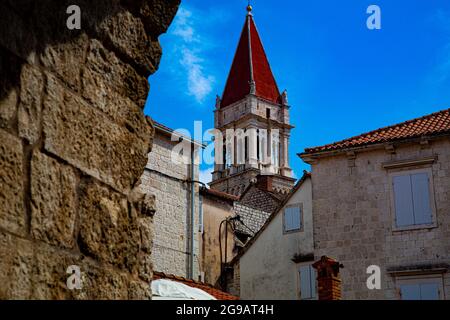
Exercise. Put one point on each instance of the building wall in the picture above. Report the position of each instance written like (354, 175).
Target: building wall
(215, 211)
(353, 220)
(266, 268)
(166, 179)
(73, 144)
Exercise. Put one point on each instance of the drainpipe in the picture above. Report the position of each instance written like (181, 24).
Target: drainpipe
(192, 181)
(191, 262)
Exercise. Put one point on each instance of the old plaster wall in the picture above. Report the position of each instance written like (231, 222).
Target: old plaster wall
(73, 145)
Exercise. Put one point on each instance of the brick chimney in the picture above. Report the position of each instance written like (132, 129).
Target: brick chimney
(265, 182)
(328, 278)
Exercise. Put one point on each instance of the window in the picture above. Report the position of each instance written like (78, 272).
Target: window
(307, 278)
(268, 113)
(420, 288)
(275, 154)
(292, 218)
(412, 199)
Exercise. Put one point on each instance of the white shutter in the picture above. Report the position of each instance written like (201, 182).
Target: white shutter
(305, 283)
(421, 198)
(429, 291)
(288, 219)
(410, 291)
(296, 218)
(313, 277)
(404, 211)
(292, 218)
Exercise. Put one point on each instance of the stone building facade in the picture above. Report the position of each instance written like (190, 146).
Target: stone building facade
(364, 214)
(168, 179)
(218, 207)
(245, 216)
(273, 263)
(73, 145)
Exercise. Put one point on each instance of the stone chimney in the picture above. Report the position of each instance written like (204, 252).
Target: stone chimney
(329, 280)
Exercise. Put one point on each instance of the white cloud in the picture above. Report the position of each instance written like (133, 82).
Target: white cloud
(205, 176)
(183, 26)
(199, 84)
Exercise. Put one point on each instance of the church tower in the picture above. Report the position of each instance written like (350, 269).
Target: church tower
(251, 122)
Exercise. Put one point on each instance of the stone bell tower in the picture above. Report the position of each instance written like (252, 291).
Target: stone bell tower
(251, 122)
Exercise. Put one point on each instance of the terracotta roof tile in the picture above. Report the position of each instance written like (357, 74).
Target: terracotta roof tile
(250, 63)
(219, 194)
(216, 293)
(429, 125)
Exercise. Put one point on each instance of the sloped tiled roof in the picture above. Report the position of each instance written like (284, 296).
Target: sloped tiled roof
(216, 293)
(219, 194)
(434, 124)
(250, 64)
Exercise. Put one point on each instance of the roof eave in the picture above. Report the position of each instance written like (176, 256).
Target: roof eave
(311, 156)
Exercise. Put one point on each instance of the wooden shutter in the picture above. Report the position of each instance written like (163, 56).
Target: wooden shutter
(410, 291)
(421, 198)
(296, 218)
(292, 220)
(305, 283)
(429, 291)
(404, 211)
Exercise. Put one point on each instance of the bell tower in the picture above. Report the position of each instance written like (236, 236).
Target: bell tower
(252, 122)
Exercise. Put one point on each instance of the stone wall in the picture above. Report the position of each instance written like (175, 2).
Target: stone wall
(167, 180)
(216, 210)
(353, 220)
(73, 145)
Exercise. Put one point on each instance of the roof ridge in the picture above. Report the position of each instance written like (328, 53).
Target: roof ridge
(380, 130)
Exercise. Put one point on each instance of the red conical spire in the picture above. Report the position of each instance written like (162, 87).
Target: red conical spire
(250, 66)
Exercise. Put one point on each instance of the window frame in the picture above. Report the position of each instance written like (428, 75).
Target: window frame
(295, 205)
(420, 279)
(404, 172)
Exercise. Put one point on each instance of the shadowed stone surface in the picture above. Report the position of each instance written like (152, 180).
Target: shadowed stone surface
(73, 145)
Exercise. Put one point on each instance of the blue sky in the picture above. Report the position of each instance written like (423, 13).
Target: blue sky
(342, 78)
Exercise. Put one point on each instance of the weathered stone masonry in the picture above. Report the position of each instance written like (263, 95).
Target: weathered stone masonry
(73, 145)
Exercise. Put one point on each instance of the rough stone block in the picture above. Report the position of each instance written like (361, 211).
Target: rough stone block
(90, 141)
(66, 59)
(127, 34)
(139, 290)
(109, 232)
(105, 73)
(49, 277)
(8, 108)
(16, 262)
(53, 195)
(30, 107)
(12, 213)
(103, 283)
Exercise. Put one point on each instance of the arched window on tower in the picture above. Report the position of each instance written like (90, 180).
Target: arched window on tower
(229, 154)
(275, 150)
(240, 143)
(224, 153)
(257, 145)
(246, 146)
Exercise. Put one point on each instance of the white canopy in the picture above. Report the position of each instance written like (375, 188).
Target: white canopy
(163, 289)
